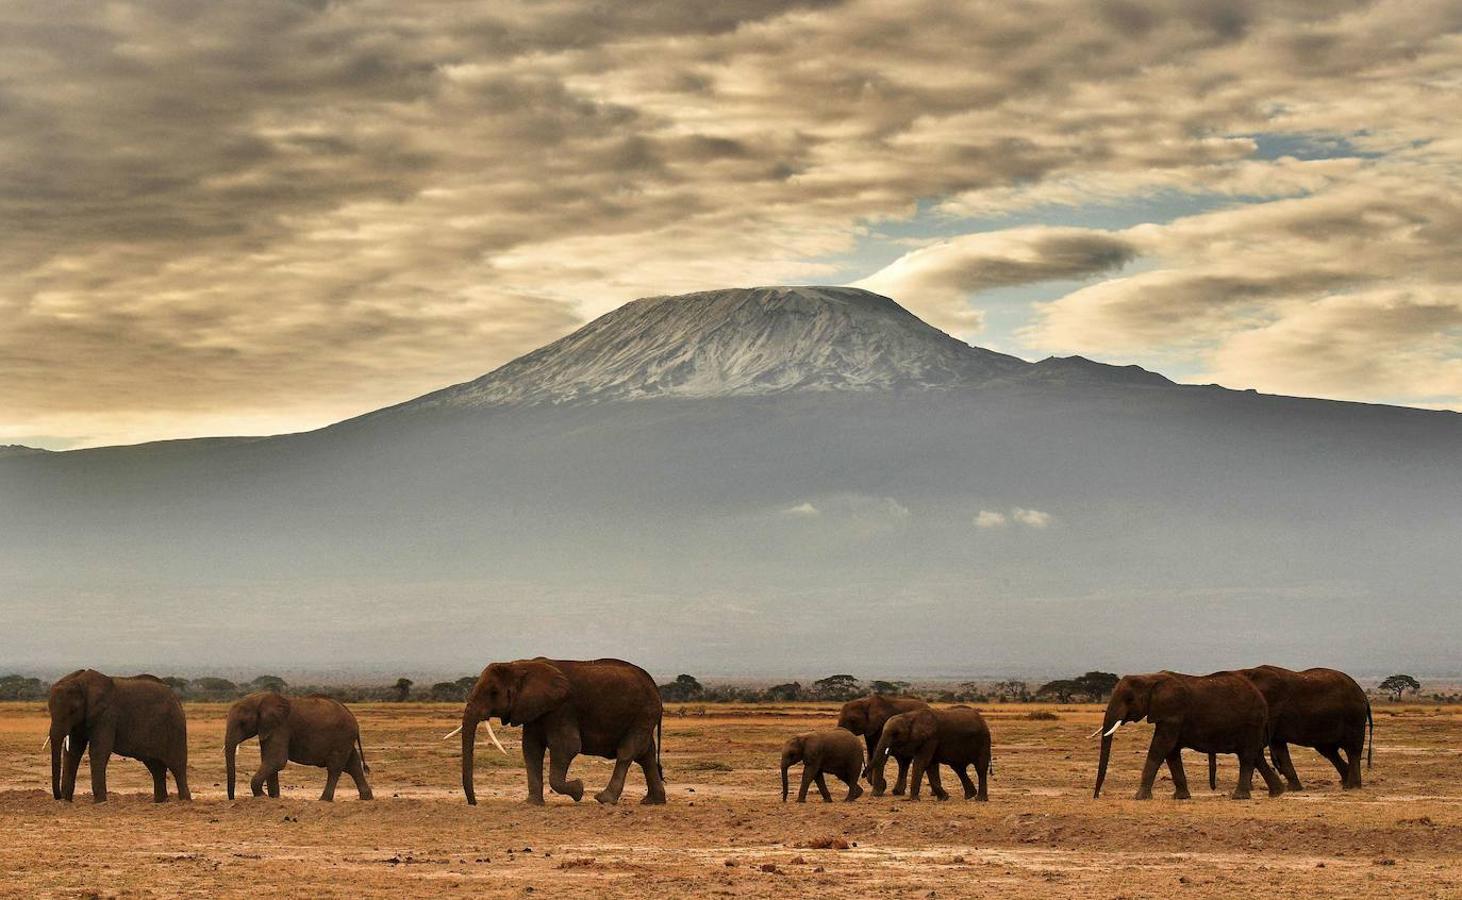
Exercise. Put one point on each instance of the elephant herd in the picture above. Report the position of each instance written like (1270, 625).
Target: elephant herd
(611, 709)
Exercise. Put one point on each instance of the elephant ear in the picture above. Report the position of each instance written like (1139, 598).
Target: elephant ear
(542, 687)
(273, 711)
(99, 690)
(923, 726)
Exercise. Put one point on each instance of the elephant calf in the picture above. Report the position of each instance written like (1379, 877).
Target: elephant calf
(312, 731)
(957, 737)
(835, 751)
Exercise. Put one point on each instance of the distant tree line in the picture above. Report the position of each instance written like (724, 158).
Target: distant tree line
(1092, 687)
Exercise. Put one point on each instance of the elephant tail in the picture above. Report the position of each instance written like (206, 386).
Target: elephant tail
(360, 750)
(659, 739)
(1372, 744)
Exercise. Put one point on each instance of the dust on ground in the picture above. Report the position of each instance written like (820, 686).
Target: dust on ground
(725, 831)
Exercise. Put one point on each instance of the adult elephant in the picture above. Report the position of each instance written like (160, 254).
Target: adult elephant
(1218, 713)
(311, 731)
(1320, 708)
(957, 737)
(866, 716)
(138, 717)
(602, 707)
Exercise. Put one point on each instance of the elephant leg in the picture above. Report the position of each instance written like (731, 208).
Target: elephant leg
(1332, 753)
(1279, 752)
(274, 784)
(561, 753)
(963, 771)
(1246, 779)
(357, 774)
(1271, 780)
(70, 766)
(875, 772)
(1354, 750)
(159, 780)
(628, 749)
(180, 778)
(903, 779)
(982, 765)
(1164, 741)
(654, 783)
(806, 783)
(272, 758)
(332, 778)
(533, 762)
(822, 787)
(935, 786)
(99, 754)
(1180, 778)
(855, 790)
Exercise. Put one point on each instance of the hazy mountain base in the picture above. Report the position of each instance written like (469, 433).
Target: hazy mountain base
(1190, 527)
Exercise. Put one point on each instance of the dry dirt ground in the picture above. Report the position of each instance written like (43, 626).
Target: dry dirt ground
(725, 831)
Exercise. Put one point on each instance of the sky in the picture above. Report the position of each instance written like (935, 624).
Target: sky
(251, 218)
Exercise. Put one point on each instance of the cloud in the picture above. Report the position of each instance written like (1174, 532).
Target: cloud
(936, 281)
(1032, 518)
(275, 213)
(802, 511)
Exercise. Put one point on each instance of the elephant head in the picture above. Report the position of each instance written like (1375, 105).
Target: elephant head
(854, 716)
(517, 693)
(904, 734)
(1131, 701)
(75, 703)
(265, 714)
(793, 752)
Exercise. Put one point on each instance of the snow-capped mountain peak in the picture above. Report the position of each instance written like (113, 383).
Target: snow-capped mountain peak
(737, 342)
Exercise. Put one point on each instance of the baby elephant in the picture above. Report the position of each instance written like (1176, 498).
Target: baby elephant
(312, 731)
(957, 737)
(835, 751)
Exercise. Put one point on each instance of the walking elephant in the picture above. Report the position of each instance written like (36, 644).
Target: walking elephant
(866, 716)
(832, 752)
(603, 707)
(1320, 708)
(957, 737)
(1218, 713)
(311, 731)
(139, 717)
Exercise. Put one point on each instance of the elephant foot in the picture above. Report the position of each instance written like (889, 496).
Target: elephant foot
(1294, 786)
(534, 801)
(1182, 795)
(1276, 791)
(879, 792)
(367, 795)
(607, 798)
(1143, 794)
(898, 792)
(653, 800)
(854, 792)
(1239, 795)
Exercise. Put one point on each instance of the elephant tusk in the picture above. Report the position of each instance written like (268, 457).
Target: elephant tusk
(47, 743)
(453, 733)
(1094, 733)
(495, 741)
(1113, 730)
(66, 743)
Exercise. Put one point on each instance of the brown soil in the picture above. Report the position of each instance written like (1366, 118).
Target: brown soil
(725, 831)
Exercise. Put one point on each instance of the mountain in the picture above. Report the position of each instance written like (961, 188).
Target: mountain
(776, 481)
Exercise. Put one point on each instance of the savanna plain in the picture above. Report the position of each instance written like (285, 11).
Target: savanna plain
(726, 832)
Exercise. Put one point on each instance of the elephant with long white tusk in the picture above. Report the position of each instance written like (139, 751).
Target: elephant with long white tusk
(1218, 713)
(602, 707)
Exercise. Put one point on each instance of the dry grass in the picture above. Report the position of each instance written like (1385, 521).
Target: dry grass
(725, 832)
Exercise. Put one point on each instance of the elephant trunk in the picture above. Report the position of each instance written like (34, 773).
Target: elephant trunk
(1109, 725)
(230, 757)
(786, 764)
(57, 737)
(873, 771)
(469, 742)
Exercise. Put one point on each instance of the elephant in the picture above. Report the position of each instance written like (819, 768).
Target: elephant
(1218, 713)
(866, 716)
(957, 737)
(834, 751)
(139, 717)
(312, 731)
(602, 707)
(1320, 708)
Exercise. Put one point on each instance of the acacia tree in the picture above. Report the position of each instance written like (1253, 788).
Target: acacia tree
(1396, 685)
(683, 688)
(838, 687)
(1097, 685)
(403, 689)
